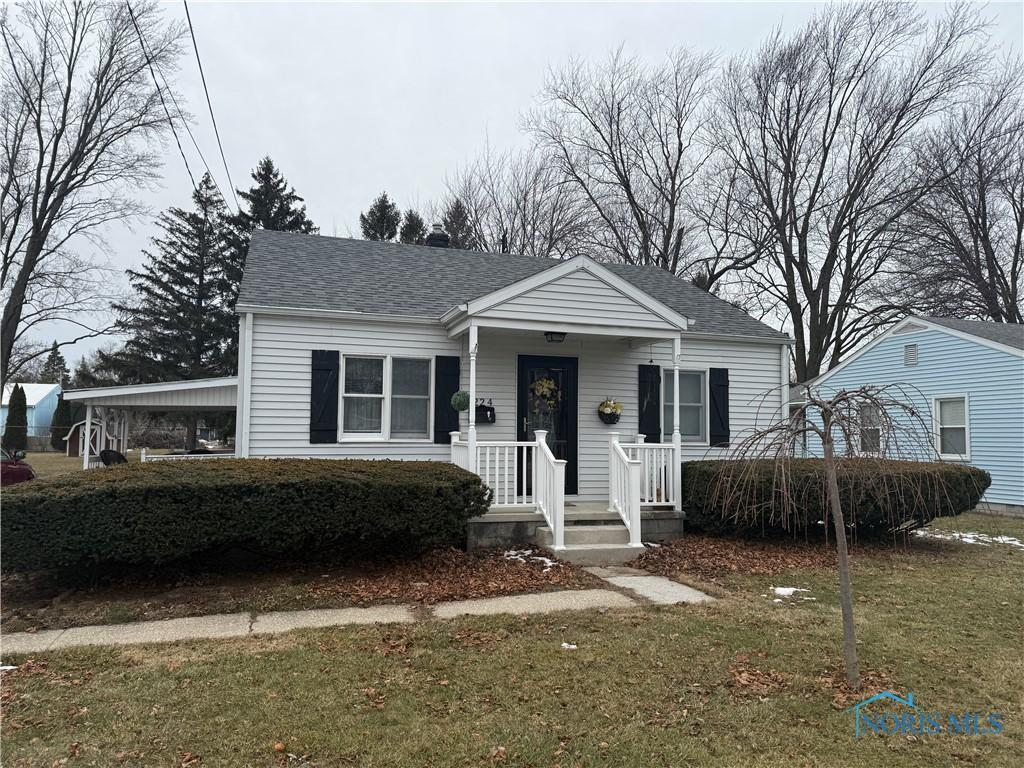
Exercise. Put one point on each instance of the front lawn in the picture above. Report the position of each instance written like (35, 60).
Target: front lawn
(744, 681)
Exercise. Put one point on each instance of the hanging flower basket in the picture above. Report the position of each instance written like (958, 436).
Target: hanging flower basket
(610, 411)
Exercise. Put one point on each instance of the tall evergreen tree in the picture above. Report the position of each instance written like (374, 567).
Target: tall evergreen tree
(55, 369)
(414, 229)
(380, 222)
(179, 325)
(457, 224)
(61, 423)
(270, 203)
(16, 430)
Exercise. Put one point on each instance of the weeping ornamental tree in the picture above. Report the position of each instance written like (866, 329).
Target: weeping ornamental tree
(863, 433)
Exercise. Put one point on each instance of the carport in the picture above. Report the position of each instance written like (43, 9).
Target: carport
(113, 407)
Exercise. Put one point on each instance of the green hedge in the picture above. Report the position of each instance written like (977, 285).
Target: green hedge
(162, 511)
(878, 496)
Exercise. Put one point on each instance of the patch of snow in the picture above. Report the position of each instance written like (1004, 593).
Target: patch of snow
(788, 591)
(568, 646)
(970, 537)
(652, 544)
(528, 556)
(6, 668)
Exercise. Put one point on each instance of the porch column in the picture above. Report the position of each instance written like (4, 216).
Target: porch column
(677, 440)
(86, 435)
(473, 341)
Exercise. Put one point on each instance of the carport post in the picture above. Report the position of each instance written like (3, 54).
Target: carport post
(87, 435)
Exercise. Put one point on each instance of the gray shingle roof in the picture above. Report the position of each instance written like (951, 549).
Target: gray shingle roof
(1010, 334)
(292, 270)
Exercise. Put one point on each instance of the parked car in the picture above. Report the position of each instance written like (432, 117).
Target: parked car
(13, 468)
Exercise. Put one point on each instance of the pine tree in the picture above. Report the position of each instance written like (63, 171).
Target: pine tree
(180, 324)
(16, 430)
(380, 222)
(61, 423)
(55, 369)
(414, 229)
(456, 223)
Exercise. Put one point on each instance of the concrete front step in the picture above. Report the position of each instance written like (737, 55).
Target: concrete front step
(587, 534)
(598, 554)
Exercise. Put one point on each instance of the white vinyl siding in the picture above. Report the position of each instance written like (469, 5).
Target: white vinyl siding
(281, 368)
(579, 297)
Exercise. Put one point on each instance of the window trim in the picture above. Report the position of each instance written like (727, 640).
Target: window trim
(861, 429)
(666, 433)
(937, 426)
(384, 436)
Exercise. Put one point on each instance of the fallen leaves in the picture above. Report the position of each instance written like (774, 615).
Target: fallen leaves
(747, 680)
(834, 681)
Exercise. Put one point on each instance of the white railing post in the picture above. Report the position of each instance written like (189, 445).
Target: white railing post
(558, 505)
(454, 439)
(473, 343)
(613, 439)
(677, 440)
(633, 500)
(142, 455)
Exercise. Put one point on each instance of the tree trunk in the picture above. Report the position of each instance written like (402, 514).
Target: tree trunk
(845, 587)
(191, 424)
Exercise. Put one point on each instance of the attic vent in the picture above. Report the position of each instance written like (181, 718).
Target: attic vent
(910, 354)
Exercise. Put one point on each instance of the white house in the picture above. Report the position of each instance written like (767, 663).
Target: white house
(351, 348)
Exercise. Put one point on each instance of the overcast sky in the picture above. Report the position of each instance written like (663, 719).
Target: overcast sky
(353, 99)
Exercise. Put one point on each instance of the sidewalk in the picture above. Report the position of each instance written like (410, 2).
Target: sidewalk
(642, 586)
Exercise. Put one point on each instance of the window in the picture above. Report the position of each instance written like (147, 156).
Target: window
(910, 355)
(693, 389)
(363, 400)
(386, 397)
(951, 423)
(870, 429)
(410, 398)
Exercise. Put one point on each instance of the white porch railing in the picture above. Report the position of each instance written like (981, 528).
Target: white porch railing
(519, 473)
(143, 456)
(624, 483)
(657, 472)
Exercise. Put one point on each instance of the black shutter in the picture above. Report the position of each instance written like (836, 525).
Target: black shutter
(718, 400)
(650, 403)
(323, 397)
(446, 384)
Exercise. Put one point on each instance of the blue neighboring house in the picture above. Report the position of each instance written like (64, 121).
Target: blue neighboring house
(970, 375)
(41, 402)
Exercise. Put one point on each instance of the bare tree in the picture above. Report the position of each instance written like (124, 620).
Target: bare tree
(80, 116)
(521, 203)
(876, 424)
(627, 136)
(822, 125)
(964, 254)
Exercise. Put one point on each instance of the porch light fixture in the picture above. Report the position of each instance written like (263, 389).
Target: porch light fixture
(554, 337)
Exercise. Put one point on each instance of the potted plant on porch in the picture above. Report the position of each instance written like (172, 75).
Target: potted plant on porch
(610, 411)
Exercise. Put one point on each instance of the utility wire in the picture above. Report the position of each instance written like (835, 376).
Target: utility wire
(209, 104)
(160, 93)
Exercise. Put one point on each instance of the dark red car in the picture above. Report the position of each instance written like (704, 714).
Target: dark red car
(14, 469)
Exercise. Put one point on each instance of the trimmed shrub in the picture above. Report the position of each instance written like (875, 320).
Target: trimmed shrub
(162, 511)
(879, 496)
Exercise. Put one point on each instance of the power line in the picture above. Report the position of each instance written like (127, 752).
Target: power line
(209, 104)
(160, 93)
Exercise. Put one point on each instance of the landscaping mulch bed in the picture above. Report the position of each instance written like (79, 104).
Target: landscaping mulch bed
(39, 601)
(709, 558)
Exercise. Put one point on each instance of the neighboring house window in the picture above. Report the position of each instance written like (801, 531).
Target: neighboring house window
(363, 400)
(910, 355)
(870, 429)
(951, 423)
(410, 398)
(387, 397)
(692, 403)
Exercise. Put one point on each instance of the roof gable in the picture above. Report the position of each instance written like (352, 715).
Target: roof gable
(288, 271)
(34, 393)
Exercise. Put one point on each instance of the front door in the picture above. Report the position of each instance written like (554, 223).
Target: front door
(547, 399)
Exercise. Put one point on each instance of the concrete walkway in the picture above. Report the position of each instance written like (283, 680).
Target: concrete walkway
(243, 624)
(657, 589)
